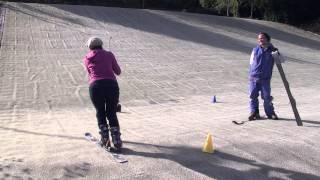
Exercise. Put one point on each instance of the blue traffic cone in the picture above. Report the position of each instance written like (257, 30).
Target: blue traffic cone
(214, 99)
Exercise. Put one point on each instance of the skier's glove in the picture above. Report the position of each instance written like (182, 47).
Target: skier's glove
(277, 56)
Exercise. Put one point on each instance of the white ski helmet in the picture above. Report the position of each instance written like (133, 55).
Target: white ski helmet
(94, 42)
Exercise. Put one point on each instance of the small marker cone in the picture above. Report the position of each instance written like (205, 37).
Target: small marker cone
(214, 99)
(208, 145)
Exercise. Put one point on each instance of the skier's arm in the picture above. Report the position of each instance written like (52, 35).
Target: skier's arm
(86, 64)
(252, 57)
(115, 66)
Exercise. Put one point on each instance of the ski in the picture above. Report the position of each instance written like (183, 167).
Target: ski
(246, 121)
(262, 118)
(242, 122)
(116, 156)
(286, 85)
(239, 122)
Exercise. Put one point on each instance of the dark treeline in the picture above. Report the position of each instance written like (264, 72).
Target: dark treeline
(286, 11)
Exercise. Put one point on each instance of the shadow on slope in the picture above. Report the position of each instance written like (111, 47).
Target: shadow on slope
(140, 20)
(172, 24)
(219, 165)
(41, 134)
(247, 25)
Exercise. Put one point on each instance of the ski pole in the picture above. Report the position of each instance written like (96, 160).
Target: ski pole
(110, 43)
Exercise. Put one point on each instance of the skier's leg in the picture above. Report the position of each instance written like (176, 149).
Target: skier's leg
(112, 100)
(267, 98)
(98, 101)
(111, 106)
(254, 88)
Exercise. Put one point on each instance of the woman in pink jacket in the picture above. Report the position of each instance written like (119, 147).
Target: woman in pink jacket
(102, 69)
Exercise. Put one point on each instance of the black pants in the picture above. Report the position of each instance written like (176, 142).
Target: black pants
(104, 95)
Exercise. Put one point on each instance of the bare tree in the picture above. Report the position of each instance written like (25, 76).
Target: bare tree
(228, 7)
(251, 8)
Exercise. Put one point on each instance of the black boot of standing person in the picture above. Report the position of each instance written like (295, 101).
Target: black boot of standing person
(102, 68)
(254, 115)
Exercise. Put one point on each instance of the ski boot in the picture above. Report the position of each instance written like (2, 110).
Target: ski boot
(254, 115)
(273, 116)
(105, 140)
(116, 140)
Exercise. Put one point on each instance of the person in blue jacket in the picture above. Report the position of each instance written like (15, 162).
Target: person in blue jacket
(261, 66)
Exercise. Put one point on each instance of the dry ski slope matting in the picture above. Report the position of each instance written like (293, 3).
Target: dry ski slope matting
(173, 64)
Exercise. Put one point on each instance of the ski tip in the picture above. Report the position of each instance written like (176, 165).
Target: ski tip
(238, 122)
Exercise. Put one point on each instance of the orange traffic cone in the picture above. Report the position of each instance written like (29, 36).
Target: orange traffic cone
(208, 145)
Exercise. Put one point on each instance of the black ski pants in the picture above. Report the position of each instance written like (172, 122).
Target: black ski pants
(104, 95)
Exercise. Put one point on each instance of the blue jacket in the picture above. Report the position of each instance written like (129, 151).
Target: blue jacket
(261, 63)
